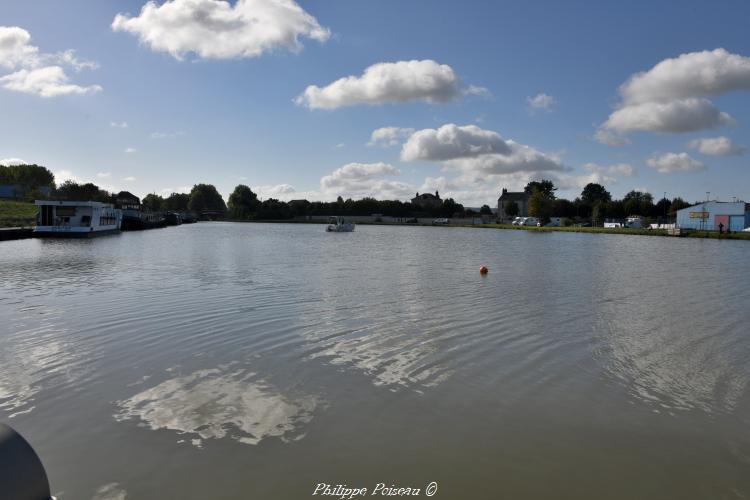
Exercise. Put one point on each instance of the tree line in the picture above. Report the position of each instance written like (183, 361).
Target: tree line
(594, 203)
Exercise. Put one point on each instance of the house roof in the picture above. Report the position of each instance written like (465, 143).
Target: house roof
(508, 196)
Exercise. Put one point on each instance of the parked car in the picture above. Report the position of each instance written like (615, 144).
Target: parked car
(440, 222)
(530, 221)
(518, 221)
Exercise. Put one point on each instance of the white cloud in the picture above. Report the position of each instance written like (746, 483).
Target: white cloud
(118, 124)
(451, 142)
(474, 150)
(280, 192)
(386, 83)
(358, 180)
(608, 172)
(216, 29)
(166, 192)
(705, 73)
(50, 81)
(129, 179)
(671, 96)
(65, 175)
(389, 136)
(685, 115)
(104, 175)
(541, 101)
(668, 163)
(716, 146)
(15, 48)
(35, 72)
(12, 161)
(131, 151)
(521, 158)
(610, 139)
(167, 135)
(340, 145)
(477, 91)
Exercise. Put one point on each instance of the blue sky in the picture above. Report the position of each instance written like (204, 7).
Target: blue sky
(213, 99)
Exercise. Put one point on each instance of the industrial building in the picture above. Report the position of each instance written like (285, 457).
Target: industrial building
(707, 216)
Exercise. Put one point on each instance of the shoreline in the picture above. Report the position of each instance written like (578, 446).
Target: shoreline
(569, 229)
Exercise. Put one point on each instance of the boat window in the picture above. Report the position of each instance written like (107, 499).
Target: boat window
(86, 220)
(65, 211)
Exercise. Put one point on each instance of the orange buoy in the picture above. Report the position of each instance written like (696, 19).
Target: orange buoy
(483, 270)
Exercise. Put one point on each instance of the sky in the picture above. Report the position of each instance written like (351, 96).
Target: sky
(353, 98)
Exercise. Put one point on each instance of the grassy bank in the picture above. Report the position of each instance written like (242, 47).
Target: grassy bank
(643, 232)
(569, 229)
(17, 213)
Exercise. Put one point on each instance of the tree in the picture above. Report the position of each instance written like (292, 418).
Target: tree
(27, 176)
(511, 209)
(638, 203)
(205, 198)
(243, 202)
(678, 204)
(72, 191)
(177, 202)
(485, 210)
(594, 192)
(545, 187)
(540, 206)
(153, 202)
(450, 207)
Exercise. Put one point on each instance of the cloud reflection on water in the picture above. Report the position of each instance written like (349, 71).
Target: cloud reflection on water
(213, 404)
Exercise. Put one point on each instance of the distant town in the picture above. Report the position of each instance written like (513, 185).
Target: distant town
(22, 185)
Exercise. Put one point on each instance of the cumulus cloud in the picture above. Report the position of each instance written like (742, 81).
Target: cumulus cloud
(50, 81)
(129, 179)
(710, 72)
(104, 175)
(364, 179)
(216, 29)
(542, 102)
(388, 82)
(684, 115)
(671, 96)
(610, 139)
(278, 191)
(521, 158)
(716, 146)
(451, 141)
(668, 163)
(131, 150)
(472, 149)
(118, 124)
(389, 136)
(7, 162)
(35, 72)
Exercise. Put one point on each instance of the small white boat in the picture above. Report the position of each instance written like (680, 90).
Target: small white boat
(339, 225)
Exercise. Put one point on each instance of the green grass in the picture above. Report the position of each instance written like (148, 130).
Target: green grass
(642, 231)
(17, 213)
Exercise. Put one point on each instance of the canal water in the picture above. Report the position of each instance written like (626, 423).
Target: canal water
(222, 361)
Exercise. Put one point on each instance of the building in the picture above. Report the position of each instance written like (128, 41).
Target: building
(427, 200)
(125, 200)
(707, 216)
(521, 199)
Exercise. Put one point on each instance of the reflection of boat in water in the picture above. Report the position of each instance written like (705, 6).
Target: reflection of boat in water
(339, 225)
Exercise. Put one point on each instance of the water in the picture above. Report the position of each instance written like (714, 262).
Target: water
(223, 360)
